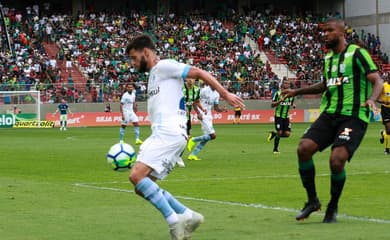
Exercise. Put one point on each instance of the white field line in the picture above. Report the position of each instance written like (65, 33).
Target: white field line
(218, 202)
(295, 176)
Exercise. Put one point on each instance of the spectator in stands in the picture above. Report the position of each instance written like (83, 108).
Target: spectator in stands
(107, 108)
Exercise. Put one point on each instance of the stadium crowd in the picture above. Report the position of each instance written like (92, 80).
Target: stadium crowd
(95, 43)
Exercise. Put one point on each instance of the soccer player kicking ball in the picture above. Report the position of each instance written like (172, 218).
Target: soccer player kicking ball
(160, 152)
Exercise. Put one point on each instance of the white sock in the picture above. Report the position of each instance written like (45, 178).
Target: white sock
(187, 213)
(171, 219)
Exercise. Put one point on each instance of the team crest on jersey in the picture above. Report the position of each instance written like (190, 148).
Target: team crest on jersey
(345, 134)
(342, 68)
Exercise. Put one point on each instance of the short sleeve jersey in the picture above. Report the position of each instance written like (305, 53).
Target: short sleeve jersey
(63, 108)
(345, 76)
(282, 110)
(190, 96)
(166, 104)
(127, 101)
(209, 98)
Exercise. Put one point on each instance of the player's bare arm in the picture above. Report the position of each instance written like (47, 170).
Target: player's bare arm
(377, 88)
(313, 89)
(276, 103)
(230, 98)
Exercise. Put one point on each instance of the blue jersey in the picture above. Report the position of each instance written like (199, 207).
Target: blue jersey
(63, 107)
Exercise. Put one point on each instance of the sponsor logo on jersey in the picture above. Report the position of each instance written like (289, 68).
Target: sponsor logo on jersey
(337, 81)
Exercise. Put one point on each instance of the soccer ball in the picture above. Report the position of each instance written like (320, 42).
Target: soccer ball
(121, 157)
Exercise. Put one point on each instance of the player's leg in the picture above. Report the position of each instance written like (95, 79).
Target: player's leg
(339, 156)
(122, 131)
(319, 136)
(122, 128)
(306, 149)
(349, 136)
(277, 133)
(137, 133)
(208, 134)
(272, 134)
(238, 120)
(134, 119)
(386, 134)
(61, 122)
(65, 121)
(149, 167)
(384, 138)
(283, 131)
(207, 129)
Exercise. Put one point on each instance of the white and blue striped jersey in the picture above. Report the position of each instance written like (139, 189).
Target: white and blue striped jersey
(166, 103)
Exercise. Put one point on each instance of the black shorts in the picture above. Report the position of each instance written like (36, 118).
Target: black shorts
(282, 124)
(189, 127)
(338, 130)
(237, 113)
(385, 113)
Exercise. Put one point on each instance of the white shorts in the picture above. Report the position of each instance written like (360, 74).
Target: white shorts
(207, 124)
(129, 117)
(161, 153)
(68, 64)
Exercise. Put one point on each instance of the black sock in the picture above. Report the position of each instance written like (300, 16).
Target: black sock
(307, 173)
(276, 143)
(337, 181)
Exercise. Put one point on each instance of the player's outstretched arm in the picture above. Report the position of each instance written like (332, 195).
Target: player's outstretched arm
(313, 89)
(230, 98)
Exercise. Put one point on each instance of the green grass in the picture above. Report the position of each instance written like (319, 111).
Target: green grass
(56, 185)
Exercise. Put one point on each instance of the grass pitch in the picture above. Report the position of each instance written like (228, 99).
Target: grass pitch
(56, 185)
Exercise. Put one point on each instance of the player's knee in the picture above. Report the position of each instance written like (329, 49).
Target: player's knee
(134, 178)
(306, 149)
(336, 166)
(338, 158)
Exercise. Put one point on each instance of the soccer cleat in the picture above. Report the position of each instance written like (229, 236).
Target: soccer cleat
(180, 163)
(191, 144)
(138, 141)
(276, 151)
(177, 229)
(271, 136)
(308, 209)
(191, 224)
(330, 215)
(193, 158)
(387, 151)
(382, 138)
